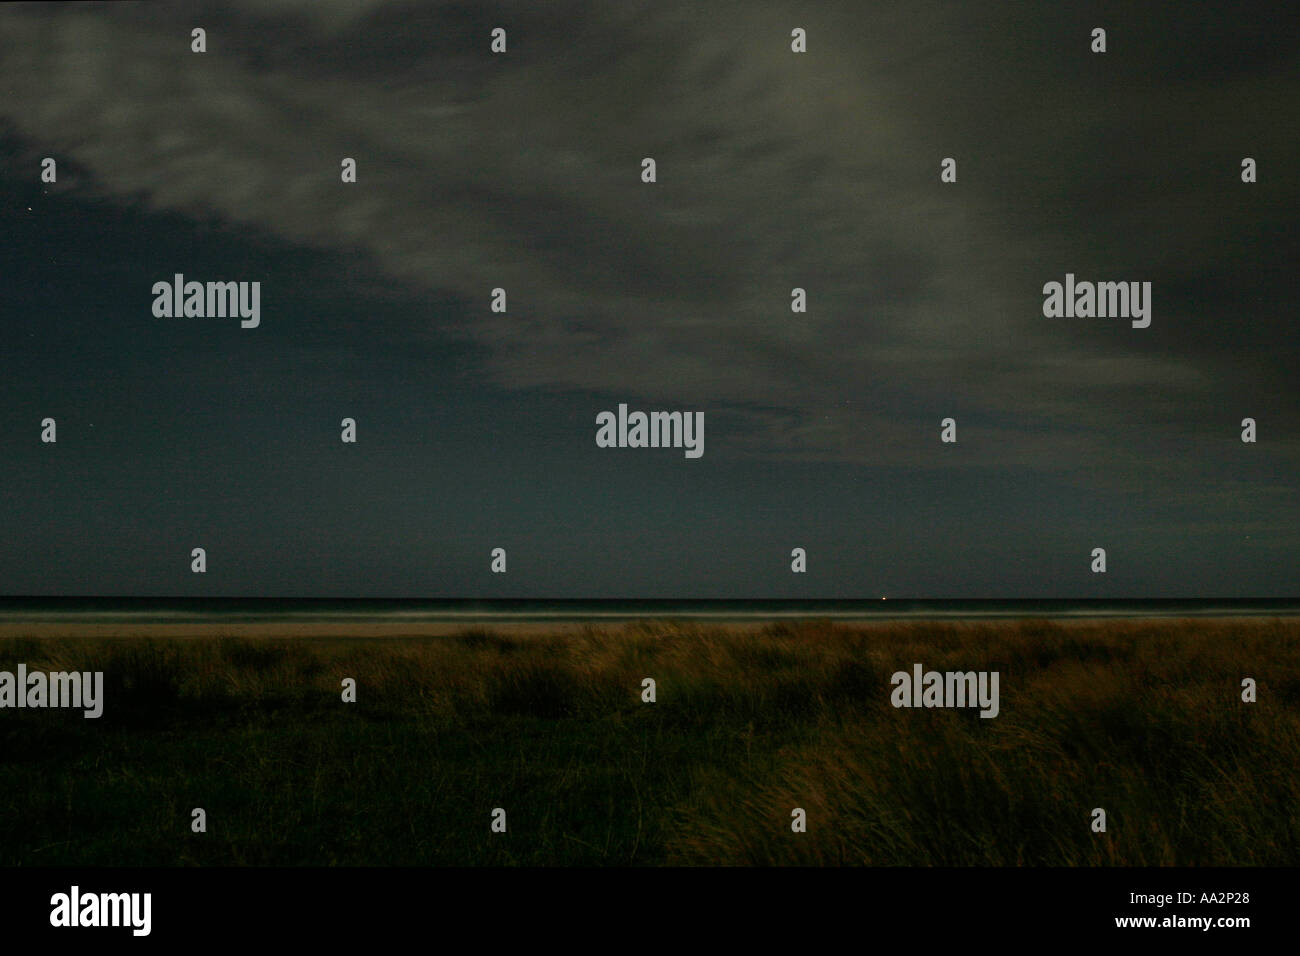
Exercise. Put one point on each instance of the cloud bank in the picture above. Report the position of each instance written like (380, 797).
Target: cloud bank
(775, 170)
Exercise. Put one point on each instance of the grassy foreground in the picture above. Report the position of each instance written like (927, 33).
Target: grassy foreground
(1141, 718)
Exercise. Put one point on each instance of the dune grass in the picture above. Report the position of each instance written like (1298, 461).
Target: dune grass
(1141, 718)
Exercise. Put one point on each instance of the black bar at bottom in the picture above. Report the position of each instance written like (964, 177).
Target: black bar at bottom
(656, 907)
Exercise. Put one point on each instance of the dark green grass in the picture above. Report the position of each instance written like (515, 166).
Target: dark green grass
(1143, 719)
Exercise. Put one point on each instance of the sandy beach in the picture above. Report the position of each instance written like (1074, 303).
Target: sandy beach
(387, 628)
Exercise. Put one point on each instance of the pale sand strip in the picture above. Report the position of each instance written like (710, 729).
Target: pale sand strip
(299, 629)
(362, 628)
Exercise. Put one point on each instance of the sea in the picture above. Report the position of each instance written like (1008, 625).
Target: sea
(181, 610)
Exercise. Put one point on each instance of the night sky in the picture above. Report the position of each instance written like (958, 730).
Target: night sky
(522, 170)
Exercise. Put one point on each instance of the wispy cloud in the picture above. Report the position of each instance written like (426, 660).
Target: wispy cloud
(776, 170)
